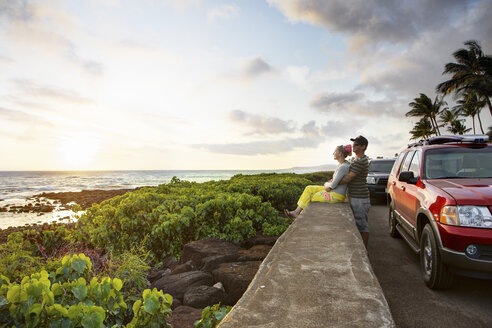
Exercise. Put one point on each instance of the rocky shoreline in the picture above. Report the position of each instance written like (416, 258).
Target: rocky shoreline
(210, 270)
(44, 203)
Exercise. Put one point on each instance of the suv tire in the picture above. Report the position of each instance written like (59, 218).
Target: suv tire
(392, 222)
(436, 274)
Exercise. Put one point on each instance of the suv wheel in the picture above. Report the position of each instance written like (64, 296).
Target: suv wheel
(435, 273)
(392, 222)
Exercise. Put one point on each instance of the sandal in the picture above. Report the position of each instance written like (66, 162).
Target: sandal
(287, 214)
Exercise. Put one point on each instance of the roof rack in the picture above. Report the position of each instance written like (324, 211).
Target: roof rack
(418, 143)
(467, 138)
(450, 138)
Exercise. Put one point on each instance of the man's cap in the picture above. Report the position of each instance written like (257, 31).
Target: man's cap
(360, 140)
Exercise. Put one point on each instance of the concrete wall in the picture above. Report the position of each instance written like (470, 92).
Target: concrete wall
(317, 275)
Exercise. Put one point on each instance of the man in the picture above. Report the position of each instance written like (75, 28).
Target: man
(357, 189)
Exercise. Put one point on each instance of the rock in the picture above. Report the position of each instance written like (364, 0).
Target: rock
(185, 316)
(235, 277)
(203, 296)
(255, 253)
(176, 303)
(185, 267)
(157, 274)
(210, 263)
(197, 250)
(219, 286)
(169, 262)
(177, 284)
(258, 240)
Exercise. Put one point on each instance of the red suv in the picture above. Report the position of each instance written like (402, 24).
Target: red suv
(440, 202)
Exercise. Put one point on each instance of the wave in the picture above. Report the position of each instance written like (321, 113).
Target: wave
(47, 188)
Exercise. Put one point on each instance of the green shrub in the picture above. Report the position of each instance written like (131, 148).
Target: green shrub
(16, 257)
(212, 316)
(64, 298)
(152, 311)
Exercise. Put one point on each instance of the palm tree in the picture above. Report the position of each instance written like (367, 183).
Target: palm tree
(458, 127)
(422, 129)
(469, 106)
(424, 107)
(471, 72)
(455, 125)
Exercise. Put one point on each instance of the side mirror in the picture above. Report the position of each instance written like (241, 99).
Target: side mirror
(408, 177)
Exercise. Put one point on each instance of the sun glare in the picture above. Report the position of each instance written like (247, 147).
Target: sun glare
(78, 151)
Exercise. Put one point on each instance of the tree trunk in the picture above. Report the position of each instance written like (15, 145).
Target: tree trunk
(437, 126)
(489, 104)
(480, 122)
(473, 122)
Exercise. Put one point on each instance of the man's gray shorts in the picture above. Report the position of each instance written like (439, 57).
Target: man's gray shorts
(360, 207)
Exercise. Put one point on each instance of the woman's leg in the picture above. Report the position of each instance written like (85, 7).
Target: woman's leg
(328, 197)
(305, 198)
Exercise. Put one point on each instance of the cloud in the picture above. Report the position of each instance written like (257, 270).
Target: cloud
(43, 27)
(309, 136)
(18, 116)
(375, 21)
(254, 67)
(357, 103)
(265, 147)
(11, 10)
(258, 124)
(224, 12)
(33, 90)
(328, 100)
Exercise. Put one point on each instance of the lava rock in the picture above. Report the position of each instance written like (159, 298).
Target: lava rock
(210, 263)
(255, 253)
(258, 240)
(185, 316)
(203, 296)
(236, 276)
(185, 267)
(178, 284)
(197, 250)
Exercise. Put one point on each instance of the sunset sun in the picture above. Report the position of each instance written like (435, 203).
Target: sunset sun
(78, 151)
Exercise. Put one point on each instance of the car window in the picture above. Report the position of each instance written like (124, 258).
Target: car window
(381, 166)
(396, 166)
(406, 162)
(415, 165)
(458, 162)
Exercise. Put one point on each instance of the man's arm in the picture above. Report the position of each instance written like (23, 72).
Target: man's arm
(349, 177)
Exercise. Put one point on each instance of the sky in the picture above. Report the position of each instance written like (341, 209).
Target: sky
(190, 84)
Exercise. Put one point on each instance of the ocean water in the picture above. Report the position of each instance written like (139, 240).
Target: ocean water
(16, 187)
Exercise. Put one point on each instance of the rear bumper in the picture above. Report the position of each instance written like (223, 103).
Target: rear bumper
(377, 190)
(462, 261)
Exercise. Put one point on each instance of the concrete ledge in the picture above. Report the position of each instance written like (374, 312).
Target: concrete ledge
(317, 275)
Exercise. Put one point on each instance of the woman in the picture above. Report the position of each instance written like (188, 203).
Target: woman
(332, 191)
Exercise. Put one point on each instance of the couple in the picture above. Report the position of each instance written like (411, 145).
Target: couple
(353, 176)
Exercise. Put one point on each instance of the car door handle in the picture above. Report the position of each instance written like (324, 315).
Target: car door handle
(403, 188)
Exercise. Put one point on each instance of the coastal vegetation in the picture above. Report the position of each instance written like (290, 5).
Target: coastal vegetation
(93, 273)
(470, 84)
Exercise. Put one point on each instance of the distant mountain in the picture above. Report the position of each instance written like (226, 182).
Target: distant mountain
(308, 169)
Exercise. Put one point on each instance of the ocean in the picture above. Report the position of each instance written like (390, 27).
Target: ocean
(16, 187)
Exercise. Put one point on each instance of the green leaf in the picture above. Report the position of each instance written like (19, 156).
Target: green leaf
(117, 284)
(35, 308)
(136, 306)
(79, 265)
(14, 294)
(93, 320)
(80, 292)
(3, 300)
(152, 304)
